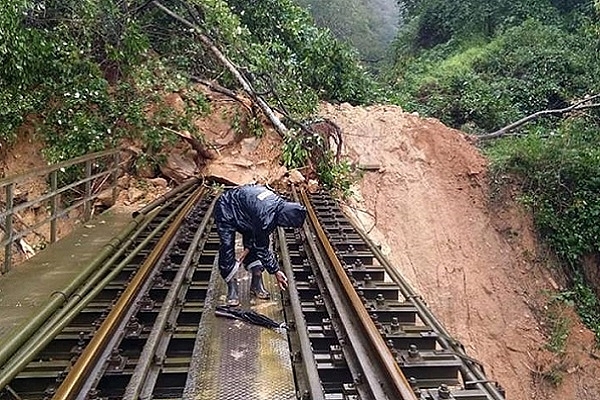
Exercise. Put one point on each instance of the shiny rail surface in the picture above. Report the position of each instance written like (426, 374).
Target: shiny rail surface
(433, 365)
(356, 329)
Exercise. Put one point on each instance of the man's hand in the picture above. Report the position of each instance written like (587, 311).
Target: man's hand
(282, 280)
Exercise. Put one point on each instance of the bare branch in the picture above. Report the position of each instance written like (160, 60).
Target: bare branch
(221, 89)
(580, 105)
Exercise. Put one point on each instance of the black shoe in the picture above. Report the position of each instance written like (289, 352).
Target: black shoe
(257, 288)
(233, 297)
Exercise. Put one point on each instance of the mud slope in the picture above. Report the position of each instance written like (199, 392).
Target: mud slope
(428, 205)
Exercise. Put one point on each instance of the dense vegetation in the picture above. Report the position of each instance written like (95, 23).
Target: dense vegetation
(479, 66)
(89, 72)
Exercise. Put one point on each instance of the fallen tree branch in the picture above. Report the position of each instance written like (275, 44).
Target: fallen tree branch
(208, 43)
(221, 89)
(201, 150)
(580, 105)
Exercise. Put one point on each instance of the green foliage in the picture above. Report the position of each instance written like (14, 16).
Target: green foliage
(309, 150)
(297, 148)
(22, 65)
(560, 174)
(338, 176)
(560, 178)
(96, 70)
(490, 84)
(586, 302)
(555, 374)
(56, 62)
(480, 66)
(558, 323)
(294, 58)
(438, 21)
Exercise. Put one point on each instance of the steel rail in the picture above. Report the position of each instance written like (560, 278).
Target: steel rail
(28, 353)
(359, 349)
(162, 199)
(32, 331)
(400, 385)
(24, 331)
(471, 372)
(67, 389)
(111, 348)
(138, 380)
(312, 372)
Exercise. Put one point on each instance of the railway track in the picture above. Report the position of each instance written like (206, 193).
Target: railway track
(140, 326)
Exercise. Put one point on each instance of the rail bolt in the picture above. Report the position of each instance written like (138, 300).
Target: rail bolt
(318, 300)
(443, 391)
(413, 351)
(380, 300)
(395, 324)
(50, 391)
(301, 251)
(327, 328)
(390, 344)
(337, 357)
(349, 389)
(362, 297)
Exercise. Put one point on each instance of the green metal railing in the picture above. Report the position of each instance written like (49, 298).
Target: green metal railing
(98, 167)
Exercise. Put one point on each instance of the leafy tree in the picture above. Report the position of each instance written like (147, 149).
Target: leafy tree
(528, 68)
(306, 55)
(63, 60)
(438, 21)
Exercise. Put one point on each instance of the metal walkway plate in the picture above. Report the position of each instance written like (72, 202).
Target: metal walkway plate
(237, 360)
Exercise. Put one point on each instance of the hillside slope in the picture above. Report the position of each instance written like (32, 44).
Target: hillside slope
(473, 258)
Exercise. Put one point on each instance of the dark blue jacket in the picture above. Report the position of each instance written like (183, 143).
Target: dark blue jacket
(255, 212)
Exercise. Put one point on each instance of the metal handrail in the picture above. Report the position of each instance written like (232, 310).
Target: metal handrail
(8, 185)
(54, 167)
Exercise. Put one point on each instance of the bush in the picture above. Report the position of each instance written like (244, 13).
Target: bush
(528, 68)
(560, 172)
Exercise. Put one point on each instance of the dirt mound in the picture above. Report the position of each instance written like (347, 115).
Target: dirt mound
(428, 205)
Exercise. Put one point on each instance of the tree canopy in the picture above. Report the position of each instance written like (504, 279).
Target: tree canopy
(88, 68)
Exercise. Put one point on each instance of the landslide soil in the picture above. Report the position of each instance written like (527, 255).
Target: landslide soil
(469, 251)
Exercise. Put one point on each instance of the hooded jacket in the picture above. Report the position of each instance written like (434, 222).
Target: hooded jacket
(255, 212)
